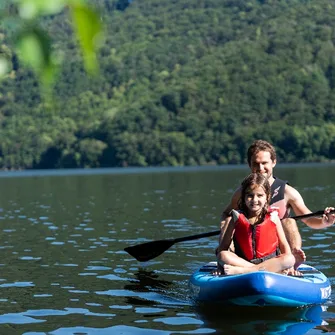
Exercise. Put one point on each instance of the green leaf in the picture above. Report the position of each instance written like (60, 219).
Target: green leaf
(34, 49)
(30, 9)
(4, 66)
(88, 28)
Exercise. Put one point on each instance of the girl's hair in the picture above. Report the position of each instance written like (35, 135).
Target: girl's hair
(250, 182)
(261, 145)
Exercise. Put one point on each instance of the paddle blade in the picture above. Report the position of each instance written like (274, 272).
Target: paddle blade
(147, 251)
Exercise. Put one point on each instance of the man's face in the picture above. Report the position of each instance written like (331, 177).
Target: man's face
(262, 163)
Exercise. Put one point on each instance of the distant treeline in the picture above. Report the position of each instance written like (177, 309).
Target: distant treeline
(182, 82)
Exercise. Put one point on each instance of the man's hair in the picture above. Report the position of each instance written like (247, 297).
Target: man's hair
(249, 183)
(261, 145)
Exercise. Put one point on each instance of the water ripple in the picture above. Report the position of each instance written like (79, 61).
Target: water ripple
(118, 330)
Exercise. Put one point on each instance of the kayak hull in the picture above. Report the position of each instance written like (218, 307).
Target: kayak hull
(260, 288)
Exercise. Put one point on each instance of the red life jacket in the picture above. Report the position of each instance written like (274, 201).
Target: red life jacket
(254, 242)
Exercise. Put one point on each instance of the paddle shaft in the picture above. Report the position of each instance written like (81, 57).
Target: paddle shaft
(149, 250)
(217, 232)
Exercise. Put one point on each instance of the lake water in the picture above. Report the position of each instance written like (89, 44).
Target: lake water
(64, 271)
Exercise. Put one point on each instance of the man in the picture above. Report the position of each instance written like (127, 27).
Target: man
(262, 159)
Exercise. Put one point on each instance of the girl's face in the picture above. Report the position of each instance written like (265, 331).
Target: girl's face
(255, 199)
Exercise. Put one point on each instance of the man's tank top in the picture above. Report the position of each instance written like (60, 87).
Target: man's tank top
(277, 199)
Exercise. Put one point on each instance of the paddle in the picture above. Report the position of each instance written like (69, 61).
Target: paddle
(149, 250)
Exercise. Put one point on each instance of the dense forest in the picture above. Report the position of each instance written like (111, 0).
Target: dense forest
(181, 82)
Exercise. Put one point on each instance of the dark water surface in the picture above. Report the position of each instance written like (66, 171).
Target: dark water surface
(64, 271)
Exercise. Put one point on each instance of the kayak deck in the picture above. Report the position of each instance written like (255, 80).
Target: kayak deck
(260, 288)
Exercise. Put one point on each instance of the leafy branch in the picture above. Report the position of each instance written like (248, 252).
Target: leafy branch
(32, 43)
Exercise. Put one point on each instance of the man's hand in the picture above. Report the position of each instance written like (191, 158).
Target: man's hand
(328, 218)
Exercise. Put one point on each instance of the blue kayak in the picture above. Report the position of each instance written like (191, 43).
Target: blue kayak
(260, 288)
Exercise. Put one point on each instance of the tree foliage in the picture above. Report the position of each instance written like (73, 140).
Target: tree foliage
(181, 83)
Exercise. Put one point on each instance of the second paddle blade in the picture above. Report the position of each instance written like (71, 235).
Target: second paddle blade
(147, 251)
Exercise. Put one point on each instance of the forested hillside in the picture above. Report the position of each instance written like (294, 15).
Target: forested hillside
(182, 82)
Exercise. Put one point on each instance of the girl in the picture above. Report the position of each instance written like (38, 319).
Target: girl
(259, 239)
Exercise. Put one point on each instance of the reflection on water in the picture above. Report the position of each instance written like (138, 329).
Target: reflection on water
(64, 271)
(254, 321)
(145, 280)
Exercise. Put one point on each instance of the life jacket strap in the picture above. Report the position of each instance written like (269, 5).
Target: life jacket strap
(262, 259)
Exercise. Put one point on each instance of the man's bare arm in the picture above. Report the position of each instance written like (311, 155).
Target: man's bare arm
(227, 237)
(225, 214)
(232, 205)
(296, 202)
